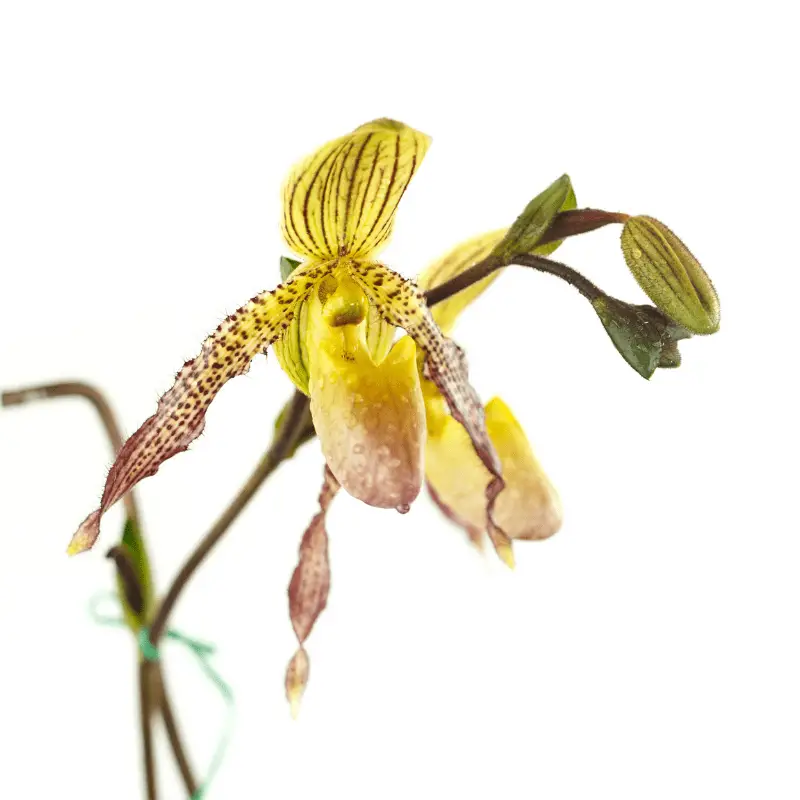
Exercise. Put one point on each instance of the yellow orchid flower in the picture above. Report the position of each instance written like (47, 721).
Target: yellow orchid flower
(458, 480)
(529, 507)
(332, 323)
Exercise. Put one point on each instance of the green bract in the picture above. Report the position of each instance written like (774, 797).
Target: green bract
(524, 235)
(644, 336)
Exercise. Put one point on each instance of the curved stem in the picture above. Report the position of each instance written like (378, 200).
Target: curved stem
(484, 268)
(291, 429)
(152, 691)
(571, 276)
(101, 406)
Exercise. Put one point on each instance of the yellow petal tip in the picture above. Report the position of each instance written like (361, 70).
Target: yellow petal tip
(86, 535)
(294, 703)
(506, 554)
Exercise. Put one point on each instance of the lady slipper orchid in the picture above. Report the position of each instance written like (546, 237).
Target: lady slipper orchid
(332, 323)
(457, 477)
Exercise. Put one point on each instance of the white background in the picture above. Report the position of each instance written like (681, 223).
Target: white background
(647, 651)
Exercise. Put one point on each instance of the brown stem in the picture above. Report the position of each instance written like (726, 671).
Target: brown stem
(565, 224)
(484, 268)
(580, 220)
(292, 427)
(174, 735)
(96, 398)
(152, 690)
(146, 708)
(574, 278)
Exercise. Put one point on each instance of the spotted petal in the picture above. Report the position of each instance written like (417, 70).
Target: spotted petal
(402, 304)
(528, 508)
(180, 416)
(341, 200)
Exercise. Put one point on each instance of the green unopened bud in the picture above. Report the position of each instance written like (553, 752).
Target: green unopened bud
(643, 335)
(288, 266)
(524, 235)
(670, 275)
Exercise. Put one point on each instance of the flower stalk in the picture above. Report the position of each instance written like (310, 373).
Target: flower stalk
(391, 413)
(153, 695)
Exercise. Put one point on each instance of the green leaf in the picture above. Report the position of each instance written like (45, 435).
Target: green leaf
(524, 234)
(288, 266)
(134, 581)
(643, 336)
(670, 275)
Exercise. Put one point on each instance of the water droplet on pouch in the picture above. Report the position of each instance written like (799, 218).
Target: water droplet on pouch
(403, 508)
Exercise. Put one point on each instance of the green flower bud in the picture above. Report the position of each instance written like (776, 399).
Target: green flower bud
(524, 235)
(643, 336)
(670, 275)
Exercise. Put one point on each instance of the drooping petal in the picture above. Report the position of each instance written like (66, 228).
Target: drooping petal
(402, 304)
(459, 259)
(180, 416)
(308, 591)
(369, 417)
(341, 199)
(528, 507)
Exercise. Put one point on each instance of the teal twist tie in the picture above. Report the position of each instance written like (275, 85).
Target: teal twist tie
(202, 651)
